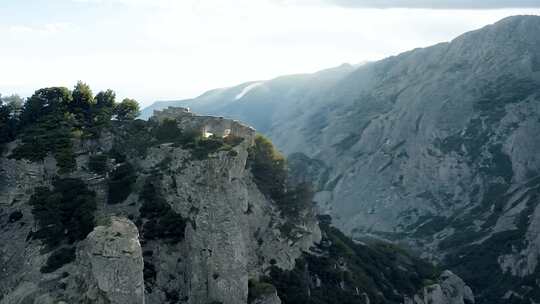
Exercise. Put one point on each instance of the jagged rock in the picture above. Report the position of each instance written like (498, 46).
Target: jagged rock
(110, 264)
(450, 290)
(232, 230)
(271, 298)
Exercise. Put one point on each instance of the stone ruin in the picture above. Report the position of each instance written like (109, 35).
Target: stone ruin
(206, 125)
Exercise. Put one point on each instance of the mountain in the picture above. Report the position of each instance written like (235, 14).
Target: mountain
(260, 103)
(177, 209)
(436, 149)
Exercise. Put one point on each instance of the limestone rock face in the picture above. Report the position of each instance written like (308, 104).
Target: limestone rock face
(232, 231)
(450, 290)
(233, 234)
(110, 264)
(436, 147)
(271, 298)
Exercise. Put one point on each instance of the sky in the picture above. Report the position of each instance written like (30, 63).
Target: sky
(175, 49)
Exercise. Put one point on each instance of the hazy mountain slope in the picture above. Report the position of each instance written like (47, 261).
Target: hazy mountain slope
(262, 103)
(436, 147)
(153, 212)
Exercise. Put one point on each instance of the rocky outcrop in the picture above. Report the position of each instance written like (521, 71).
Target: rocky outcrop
(226, 231)
(271, 298)
(450, 290)
(110, 264)
(234, 230)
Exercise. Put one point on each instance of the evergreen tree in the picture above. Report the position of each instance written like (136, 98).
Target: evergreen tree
(128, 109)
(82, 105)
(55, 100)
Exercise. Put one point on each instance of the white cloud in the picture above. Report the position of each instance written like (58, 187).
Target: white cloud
(438, 4)
(163, 49)
(45, 29)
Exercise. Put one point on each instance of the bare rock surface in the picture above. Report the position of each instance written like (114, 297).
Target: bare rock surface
(110, 264)
(450, 290)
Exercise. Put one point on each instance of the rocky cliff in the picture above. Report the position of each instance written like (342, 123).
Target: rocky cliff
(174, 210)
(436, 148)
(185, 228)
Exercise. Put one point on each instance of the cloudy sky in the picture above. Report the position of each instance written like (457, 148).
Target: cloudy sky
(171, 49)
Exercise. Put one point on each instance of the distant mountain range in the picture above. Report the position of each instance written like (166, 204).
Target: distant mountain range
(437, 148)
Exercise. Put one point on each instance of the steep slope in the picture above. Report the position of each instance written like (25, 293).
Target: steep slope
(202, 226)
(261, 103)
(436, 148)
(178, 209)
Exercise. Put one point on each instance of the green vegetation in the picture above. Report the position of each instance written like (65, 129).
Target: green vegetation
(269, 170)
(429, 225)
(257, 289)
(342, 266)
(51, 135)
(268, 167)
(478, 263)
(53, 117)
(136, 137)
(121, 182)
(473, 140)
(149, 274)
(132, 137)
(15, 216)
(169, 132)
(10, 107)
(504, 90)
(128, 109)
(103, 109)
(346, 143)
(499, 164)
(58, 259)
(47, 128)
(161, 222)
(64, 214)
(202, 147)
(98, 163)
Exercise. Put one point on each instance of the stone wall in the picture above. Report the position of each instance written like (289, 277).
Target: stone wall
(210, 125)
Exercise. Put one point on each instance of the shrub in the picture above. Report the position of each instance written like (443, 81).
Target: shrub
(64, 214)
(15, 216)
(383, 271)
(118, 156)
(121, 183)
(50, 134)
(51, 117)
(161, 221)
(172, 296)
(9, 118)
(258, 289)
(268, 167)
(58, 259)
(269, 170)
(479, 261)
(98, 163)
(149, 275)
(128, 109)
(132, 137)
(168, 131)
